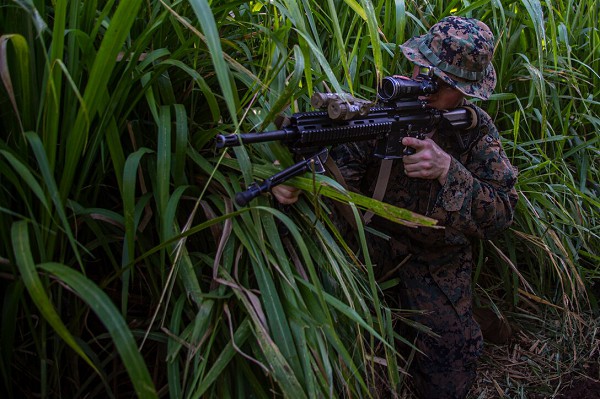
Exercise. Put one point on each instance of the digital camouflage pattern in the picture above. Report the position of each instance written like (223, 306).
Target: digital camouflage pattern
(459, 50)
(477, 201)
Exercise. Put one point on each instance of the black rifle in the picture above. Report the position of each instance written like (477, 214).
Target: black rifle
(347, 119)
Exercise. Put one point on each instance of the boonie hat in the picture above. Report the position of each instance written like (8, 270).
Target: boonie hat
(459, 50)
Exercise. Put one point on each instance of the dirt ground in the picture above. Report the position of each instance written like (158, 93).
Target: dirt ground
(535, 367)
(583, 389)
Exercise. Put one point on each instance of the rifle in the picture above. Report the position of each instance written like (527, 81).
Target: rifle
(345, 119)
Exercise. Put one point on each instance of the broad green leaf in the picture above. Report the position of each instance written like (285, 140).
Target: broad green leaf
(36, 289)
(109, 315)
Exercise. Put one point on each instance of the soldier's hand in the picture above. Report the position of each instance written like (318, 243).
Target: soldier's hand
(428, 162)
(286, 195)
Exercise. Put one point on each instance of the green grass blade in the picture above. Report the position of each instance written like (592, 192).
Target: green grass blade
(211, 33)
(36, 290)
(21, 108)
(54, 84)
(42, 160)
(130, 173)
(27, 177)
(163, 167)
(181, 143)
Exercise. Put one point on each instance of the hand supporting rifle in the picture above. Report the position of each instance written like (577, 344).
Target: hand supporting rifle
(313, 164)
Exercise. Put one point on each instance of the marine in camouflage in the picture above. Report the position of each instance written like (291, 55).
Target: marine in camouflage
(477, 201)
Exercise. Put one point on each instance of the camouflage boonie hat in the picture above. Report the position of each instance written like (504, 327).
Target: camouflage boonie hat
(460, 51)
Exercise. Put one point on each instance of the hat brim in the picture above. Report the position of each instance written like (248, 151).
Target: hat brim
(480, 89)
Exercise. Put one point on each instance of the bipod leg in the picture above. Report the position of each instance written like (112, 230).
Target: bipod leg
(314, 163)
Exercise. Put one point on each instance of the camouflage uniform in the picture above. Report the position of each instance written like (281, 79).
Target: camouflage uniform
(477, 201)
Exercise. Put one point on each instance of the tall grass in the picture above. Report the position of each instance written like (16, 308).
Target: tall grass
(549, 66)
(127, 269)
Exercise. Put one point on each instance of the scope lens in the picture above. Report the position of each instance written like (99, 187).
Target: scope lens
(393, 87)
(389, 88)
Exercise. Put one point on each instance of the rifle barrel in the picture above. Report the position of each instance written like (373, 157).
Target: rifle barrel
(233, 140)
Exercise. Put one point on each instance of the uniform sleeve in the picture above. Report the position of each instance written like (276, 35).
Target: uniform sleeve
(479, 197)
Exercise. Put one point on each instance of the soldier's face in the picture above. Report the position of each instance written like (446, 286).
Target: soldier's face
(447, 97)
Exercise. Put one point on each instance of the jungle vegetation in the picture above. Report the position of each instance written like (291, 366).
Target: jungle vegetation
(125, 267)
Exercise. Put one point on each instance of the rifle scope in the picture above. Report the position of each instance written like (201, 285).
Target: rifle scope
(393, 87)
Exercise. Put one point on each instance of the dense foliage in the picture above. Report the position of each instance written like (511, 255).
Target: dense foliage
(125, 266)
